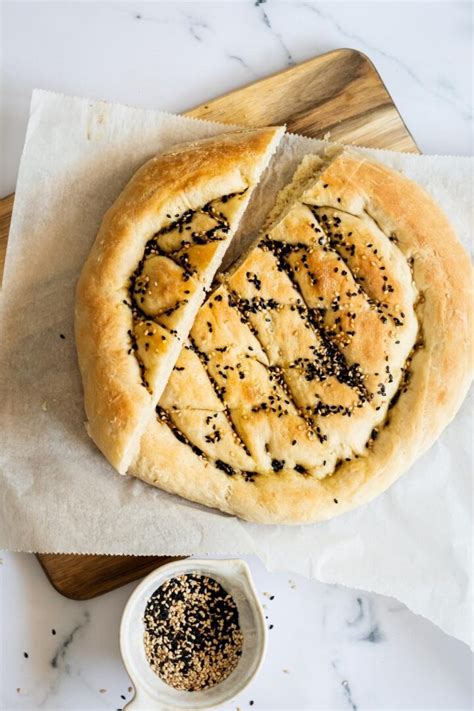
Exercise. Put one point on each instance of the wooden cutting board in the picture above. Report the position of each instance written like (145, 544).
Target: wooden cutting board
(338, 95)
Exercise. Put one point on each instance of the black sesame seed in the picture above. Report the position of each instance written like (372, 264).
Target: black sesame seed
(224, 467)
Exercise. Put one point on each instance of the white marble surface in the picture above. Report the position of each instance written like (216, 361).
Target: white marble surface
(176, 55)
(329, 648)
(342, 649)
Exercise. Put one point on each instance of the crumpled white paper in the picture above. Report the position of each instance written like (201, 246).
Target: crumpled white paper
(58, 494)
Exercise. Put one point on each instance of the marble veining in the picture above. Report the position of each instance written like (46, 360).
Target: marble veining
(329, 647)
(364, 623)
(242, 62)
(345, 686)
(348, 695)
(59, 658)
(265, 17)
(197, 28)
(442, 89)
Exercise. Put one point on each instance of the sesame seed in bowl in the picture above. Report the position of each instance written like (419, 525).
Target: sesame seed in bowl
(193, 635)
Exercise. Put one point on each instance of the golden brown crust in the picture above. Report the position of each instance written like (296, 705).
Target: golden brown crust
(373, 223)
(120, 391)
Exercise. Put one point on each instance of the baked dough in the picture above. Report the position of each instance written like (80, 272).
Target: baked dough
(154, 257)
(327, 361)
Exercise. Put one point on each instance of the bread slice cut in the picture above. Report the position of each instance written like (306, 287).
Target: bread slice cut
(152, 262)
(330, 357)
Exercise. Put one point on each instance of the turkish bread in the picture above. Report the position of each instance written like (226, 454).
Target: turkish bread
(323, 364)
(152, 262)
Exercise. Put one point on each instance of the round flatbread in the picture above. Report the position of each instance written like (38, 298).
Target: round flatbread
(327, 361)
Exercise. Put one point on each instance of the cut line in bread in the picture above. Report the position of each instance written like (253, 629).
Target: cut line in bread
(148, 272)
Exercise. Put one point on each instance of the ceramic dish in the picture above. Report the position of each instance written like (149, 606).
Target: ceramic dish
(150, 691)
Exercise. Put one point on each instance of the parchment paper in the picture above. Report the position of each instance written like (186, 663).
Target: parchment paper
(58, 494)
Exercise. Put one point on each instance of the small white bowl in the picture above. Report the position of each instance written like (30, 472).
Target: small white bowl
(151, 693)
